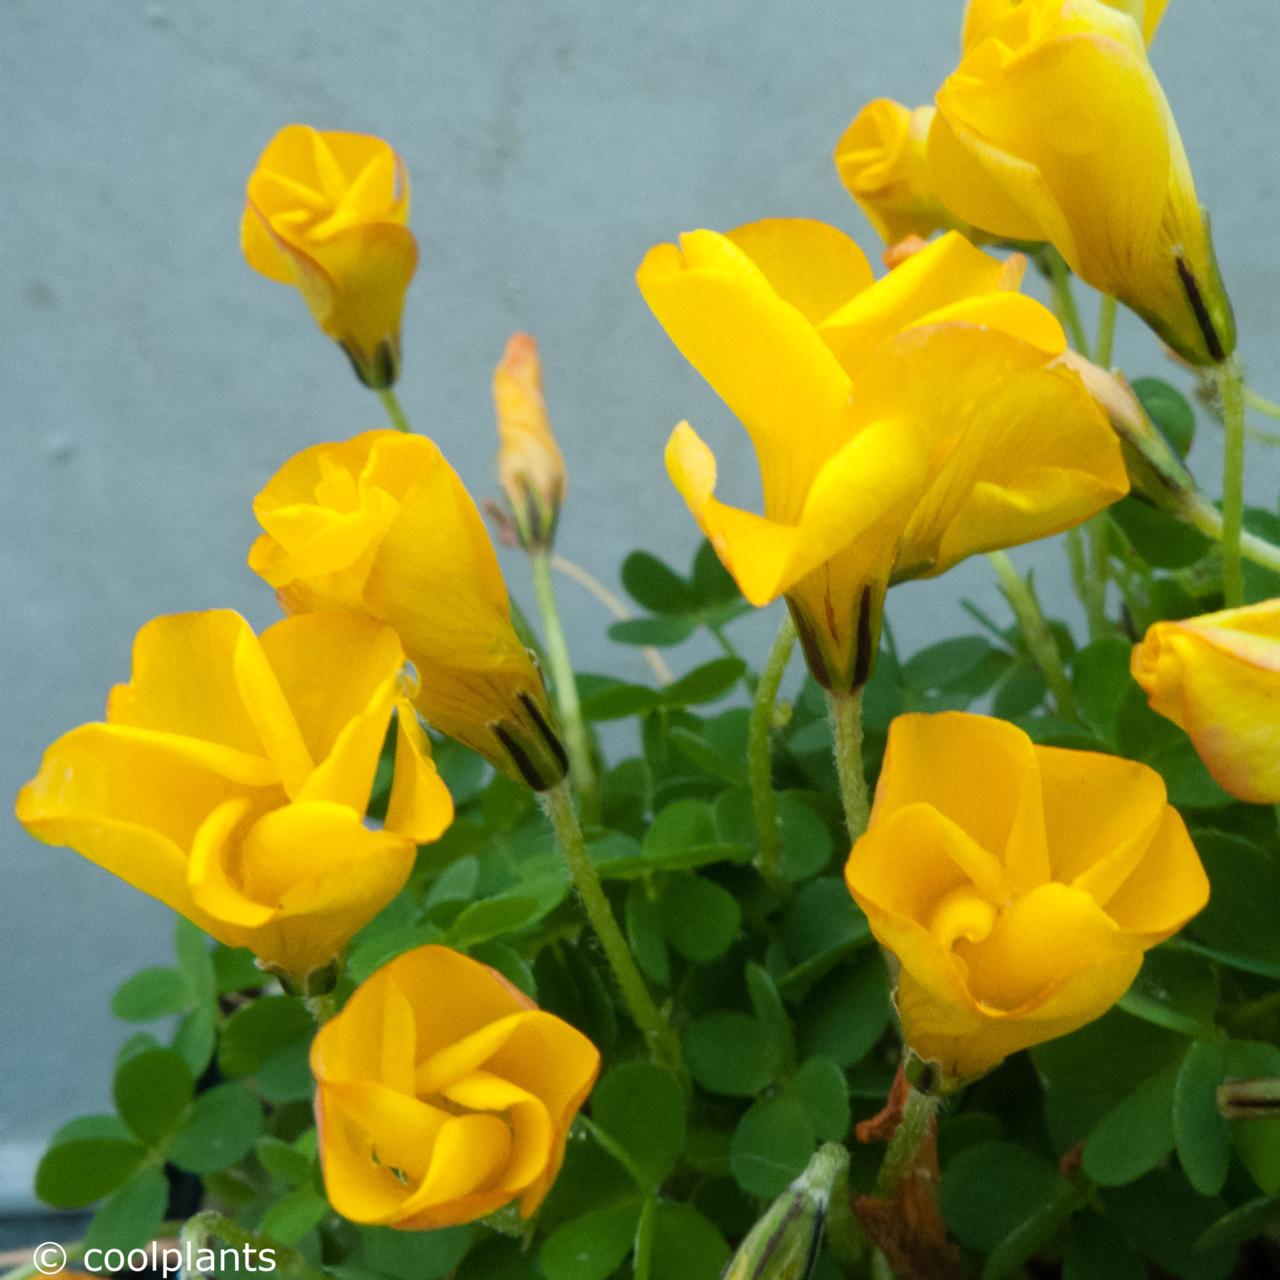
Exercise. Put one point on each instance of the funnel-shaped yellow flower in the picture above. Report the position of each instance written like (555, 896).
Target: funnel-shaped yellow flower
(900, 426)
(231, 779)
(381, 525)
(1054, 127)
(981, 15)
(327, 212)
(883, 164)
(1017, 885)
(444, 1094)
(530, 464)
(1217, 677)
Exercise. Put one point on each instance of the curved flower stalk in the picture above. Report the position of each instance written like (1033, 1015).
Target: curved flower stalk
(231, 777)
(1017, 885)
(443, 1094)
(900, 425)
(1055, 128)
(327, 213)
(1217, 677)
(380, 525)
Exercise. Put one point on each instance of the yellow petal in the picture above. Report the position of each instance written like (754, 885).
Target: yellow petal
(420, 805)
(374, 1039)
(1166, 889)
(470, 1152)
(445, 1067)
(760, 354)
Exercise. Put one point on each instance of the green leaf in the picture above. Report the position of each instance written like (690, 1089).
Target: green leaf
(235, 969)
(707, 683)
(1165, 1217)
(195, 1039)
(1135, 1135)
(846, 1013)
(732, 1054)
(645, 936)
(151, 1091)
(1173, 990)
(286, 1075)
(415, 1255)
(700, 753)
(1261, 583)
(806, 840)
(195, 962)
(591, 1247)
(284, 1161)
(1100, 681)
(1188, 781)
(660, 632)
(946, 663)
(293, 1215)
(641, 1106)
(508, 962)
(770, 1011)
(1242, 1223)
(700, 919)
(1032, 1233)
(991, 1188)
(771, 1145)
(151, 993)
(655, 586)
(685, 1245)
(75, 1173)
(1162, 540)
(1170, 410)
(1244, 900)
(493, 917)
(820, 1088)
(1201, 1134)
(1256, 1141)
(131, 1218)
(684, 834)
(617, 701)
(823, 919)
(1110, 1055)
(1097, 1249)
(219, 1130)
(259, 1030)
(713, 584)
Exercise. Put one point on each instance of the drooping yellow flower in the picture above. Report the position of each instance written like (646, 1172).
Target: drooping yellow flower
(1217, 677)
(1018, 885)
(443, 1094)
(327, 212)
(381, 525)
(1054, 127)
(981, 15)
(882, 162)
(900, 425)
(231, 777)
(530, 464)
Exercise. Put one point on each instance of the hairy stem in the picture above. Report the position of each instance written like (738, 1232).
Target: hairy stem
(1231, 387)
(395, 411)
(846, 728)
(759, 757)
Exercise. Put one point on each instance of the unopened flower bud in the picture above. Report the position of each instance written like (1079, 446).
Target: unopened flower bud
(1250, 1099)
(784, 1244)
(530, 465)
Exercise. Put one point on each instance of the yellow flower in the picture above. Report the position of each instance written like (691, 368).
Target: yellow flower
(1017, 885)
(1217, 677)
(1054, 127)
(900, 425)
(444, 1094)
(981, 15)
(381, 525)
(882, 162)
(327, 212)
(530, 465)
(231, 779)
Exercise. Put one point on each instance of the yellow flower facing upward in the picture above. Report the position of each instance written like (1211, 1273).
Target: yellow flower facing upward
(231, 777)
(444, 1094)
(327, 212)
(882, 162)
(900, 425)
(1054, 127)
(530, 464)
(981, 15)
(1017, 885)
(380, 525)
(1217, 677)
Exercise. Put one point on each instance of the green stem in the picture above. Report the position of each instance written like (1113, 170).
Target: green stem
(321, 1007)
(577, 743)
(1231, 386)
(1097, 577)
(846, 727)
(1260, 402)
(395, 411)
(1036, 631)
(1106, 331)
(912, 1131)
(663, 1045)
(759, 757)
(1064, 301)
(1208, 519)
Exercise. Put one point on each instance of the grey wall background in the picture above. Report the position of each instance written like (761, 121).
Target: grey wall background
(149, 382)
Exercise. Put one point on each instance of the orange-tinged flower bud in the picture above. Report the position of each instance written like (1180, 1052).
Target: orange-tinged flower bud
(1055, 128)
(1017, 885)
(327, 212)
(381, 525)
(530, 465)
(900, 425)
(444, 1094)
(1218, 678)
(231, 777)
(883, 164)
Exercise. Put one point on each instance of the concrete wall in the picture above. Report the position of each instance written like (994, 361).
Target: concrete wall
(151, 382)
